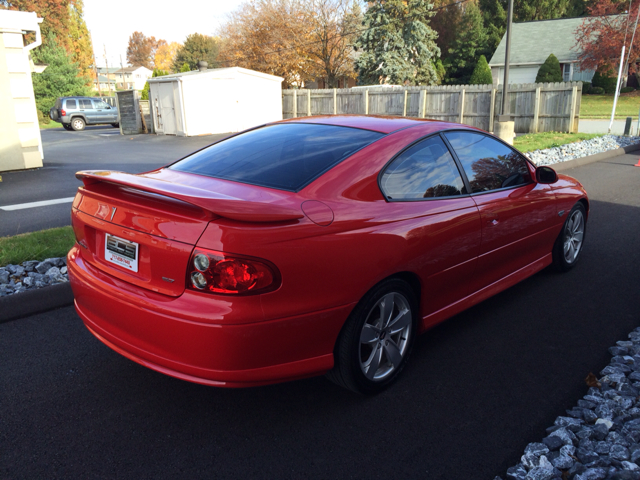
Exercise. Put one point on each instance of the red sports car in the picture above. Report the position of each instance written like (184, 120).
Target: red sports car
(313, 245)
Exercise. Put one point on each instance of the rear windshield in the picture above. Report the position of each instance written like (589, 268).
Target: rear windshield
(284, 156)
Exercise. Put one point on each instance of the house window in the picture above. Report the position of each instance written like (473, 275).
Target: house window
(566, 74)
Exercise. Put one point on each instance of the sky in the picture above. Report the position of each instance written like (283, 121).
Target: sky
(112, 22)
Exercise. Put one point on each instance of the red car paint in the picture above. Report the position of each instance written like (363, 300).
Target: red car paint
(331, 242)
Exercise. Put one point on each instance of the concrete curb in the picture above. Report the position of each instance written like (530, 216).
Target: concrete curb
(13, 307)
(31, 302)
(578, 162)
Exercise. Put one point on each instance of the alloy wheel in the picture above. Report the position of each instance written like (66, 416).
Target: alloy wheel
(573, 236)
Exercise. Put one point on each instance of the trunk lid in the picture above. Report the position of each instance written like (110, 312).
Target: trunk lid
(142, 228)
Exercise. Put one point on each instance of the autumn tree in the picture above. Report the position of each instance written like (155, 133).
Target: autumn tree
(142, 50)
(196, 47)
(266, 35)
(445, 22)
(398, 46)
(601, 36)
(55, 15)
(82, 49)
(165, 55)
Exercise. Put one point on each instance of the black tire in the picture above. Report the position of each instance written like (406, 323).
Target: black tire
(365, 339)
(115, 125)
(568, 246)
(54, 114)
(77, 124)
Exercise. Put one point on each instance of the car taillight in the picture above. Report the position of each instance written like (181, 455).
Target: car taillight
(218, 272)
(63, 113)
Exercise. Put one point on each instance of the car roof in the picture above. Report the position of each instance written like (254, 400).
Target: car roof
(377, 123)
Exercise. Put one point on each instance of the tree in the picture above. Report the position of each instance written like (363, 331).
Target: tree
(82, 49)
(482, 73)
(142, 50)
(445, 22)
(470, 42)
(185, 68)
(197, 47)
(549, 71)
(268, 36)
(165, 55)
(60, 79)
(601, 36)
(398, 45)
(441, 72)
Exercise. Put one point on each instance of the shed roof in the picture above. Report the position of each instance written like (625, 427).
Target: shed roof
(533, 42)
(215, 73)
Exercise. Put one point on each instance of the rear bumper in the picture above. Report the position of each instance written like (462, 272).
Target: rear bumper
(160, 332)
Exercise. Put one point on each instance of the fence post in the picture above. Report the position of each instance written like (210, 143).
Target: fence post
(295, 103)
(574, 99)
(404, 109)
(461, 117)
(366, 102)
(492, 109)
(536, 111)
(422, 107)
(335, 101)
(308, 103)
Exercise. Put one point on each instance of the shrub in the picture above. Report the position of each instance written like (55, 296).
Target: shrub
(626, 89)
(604, 79)
(586, 88)
(597, 91)
(42, 118)
(482, 73)
(549, 71)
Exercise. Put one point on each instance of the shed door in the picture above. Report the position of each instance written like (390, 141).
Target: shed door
(166, 108)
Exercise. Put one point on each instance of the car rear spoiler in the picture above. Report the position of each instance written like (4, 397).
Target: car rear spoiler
(220, 204)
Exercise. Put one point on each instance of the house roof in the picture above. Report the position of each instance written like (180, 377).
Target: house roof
(131, 69)
(107, 70)
(104, 79)
(533, 42)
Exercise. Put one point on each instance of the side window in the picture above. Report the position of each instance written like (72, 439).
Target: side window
(99, 104)
(488, 163)
(425, 170)
(71, 104)
(86, 104)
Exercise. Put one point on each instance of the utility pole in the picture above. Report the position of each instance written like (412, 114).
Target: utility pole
(504, 127)
(107, 64)
(95, 66)
(122, 70)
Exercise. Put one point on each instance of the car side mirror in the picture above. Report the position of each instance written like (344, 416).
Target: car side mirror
(546, 175)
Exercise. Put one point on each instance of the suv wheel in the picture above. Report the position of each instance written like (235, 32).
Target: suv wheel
(77, 124)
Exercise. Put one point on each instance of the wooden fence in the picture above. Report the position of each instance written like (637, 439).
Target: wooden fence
(537, 107)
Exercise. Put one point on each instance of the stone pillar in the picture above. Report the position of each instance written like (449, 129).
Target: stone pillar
(504, 128)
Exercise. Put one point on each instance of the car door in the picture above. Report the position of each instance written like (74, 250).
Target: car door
(441, 223)
(518, 215)
(86, 107)
(102, 112)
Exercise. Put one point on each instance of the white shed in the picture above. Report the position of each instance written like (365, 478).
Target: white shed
(212, 101)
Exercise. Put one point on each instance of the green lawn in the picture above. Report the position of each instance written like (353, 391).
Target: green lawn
(537, 141)
(52, 124)
(599, 106)
(55, 242)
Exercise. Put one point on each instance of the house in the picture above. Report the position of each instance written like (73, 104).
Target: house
(106, 84)
(20, 141)
(532, 43)
(132, 78)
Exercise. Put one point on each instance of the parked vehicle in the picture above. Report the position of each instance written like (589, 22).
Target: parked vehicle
(74, 113)
(313, 245)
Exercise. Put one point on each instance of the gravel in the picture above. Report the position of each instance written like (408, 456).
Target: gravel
(563, 153)
(599, 439)
(32, 274)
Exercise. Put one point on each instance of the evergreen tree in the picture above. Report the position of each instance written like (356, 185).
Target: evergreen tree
(482, 73)
(470, 42)
(549, 71)
(196, 47)
(398, 46)
(440, 72)
(494, 16)
(60, 79)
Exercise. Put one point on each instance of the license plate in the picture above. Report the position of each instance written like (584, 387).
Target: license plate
(121, 252)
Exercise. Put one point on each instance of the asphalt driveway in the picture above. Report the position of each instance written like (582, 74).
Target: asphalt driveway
(65, 153)
(478, 388)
